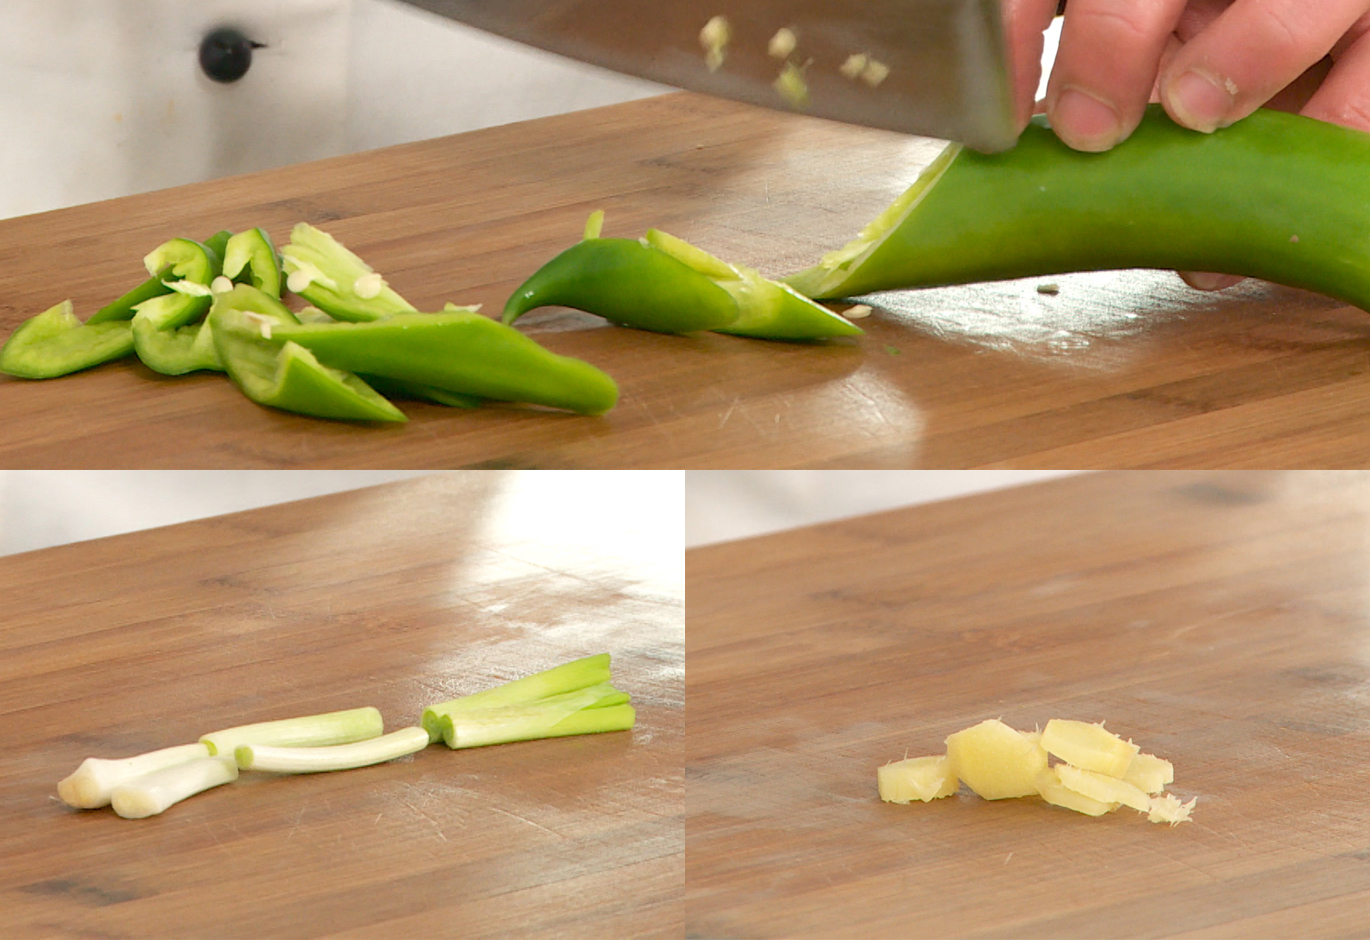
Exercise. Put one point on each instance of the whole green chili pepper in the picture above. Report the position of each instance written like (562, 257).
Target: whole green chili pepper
(284, 374)
(56, 342)
(459, 351)
(1275, 196)
(251, 258)
(122, 309)
(322, 271)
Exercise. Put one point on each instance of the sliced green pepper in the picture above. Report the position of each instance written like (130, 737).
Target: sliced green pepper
(768, 309)
(171, 335)
(397, 388)
(629, 283)
(666, 284)
(122, 309)
(462, 352)
(1275, 196)
(322, 271)
(284, 374)
(56, 342)
(251, 258)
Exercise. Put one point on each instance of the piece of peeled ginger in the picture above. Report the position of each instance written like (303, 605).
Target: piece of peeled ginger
(917, 778)
(996, 761)
(1097, 771)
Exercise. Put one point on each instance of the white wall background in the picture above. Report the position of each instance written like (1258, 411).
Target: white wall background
(102, 98)
(721, 505)
(39, 508)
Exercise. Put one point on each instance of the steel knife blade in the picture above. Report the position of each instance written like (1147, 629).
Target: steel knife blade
(936, 68)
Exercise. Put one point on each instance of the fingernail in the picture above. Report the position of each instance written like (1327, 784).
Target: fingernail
(1199, 102)
(1085, 122)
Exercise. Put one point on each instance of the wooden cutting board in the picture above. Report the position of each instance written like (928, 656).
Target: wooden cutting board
(396, 596)
(1116, 370)
(1219, 620)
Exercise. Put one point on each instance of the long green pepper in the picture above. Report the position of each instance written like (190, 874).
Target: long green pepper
(1275, 196)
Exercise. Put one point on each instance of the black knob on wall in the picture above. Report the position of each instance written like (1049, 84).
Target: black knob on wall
(226, 55)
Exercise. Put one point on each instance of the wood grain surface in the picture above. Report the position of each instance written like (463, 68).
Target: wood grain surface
(396, 596)
(1117, 370)
(1219, 619)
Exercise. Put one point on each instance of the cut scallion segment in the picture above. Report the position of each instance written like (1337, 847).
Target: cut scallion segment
(308, 760)
(569, 677)
(344, 727)
(153, 793)
(91, 784)
(503, 725)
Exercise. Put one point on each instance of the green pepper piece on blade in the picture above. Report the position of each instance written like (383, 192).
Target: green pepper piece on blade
(171, 336)
(244, 322)
(627, 283)
(322, 271)
(1275, 196)
(122, 309)
(250, 258)
(56, 343)
(459, 351)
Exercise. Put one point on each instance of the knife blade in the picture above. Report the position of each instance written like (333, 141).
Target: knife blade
(936, 68)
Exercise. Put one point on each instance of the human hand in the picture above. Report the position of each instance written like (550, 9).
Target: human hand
(1208, 62)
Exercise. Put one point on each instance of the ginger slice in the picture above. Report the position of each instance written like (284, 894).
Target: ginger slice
(1088, 746)
(996, 761)
(1102, 787)
(1150, 773)
(1051, 789)
(917, 778)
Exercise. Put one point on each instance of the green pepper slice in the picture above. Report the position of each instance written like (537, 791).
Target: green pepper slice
(397, 388)
(1275, 196)
(768, 309)
(283, 374)
(322, 271)
(122, 309)
(250, 258)
(171, 336)
(628, 283)
(56, 342)
(459, 351)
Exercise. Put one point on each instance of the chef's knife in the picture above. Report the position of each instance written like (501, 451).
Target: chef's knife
(937, 68)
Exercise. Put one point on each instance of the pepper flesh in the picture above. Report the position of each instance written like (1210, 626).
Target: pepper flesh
(1275, 196)
(56, 342)
(122, 308)
(459, 351)
(285, 375)
(251, 258)
(327, 276)
(627, 283)
(767, 309)
(171, 335)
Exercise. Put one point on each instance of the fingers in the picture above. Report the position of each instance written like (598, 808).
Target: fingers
(1024, 23)
(1105, 68)
(1344, 95)
(1248, 54)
